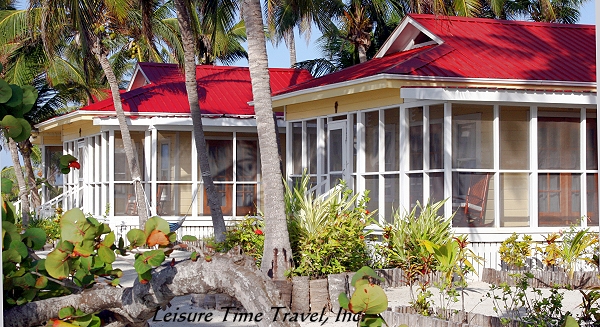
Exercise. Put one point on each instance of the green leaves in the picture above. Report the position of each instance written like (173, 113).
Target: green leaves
(66, 162)
(136, 238)
(145, 261)
(82, 238)
(15, 101)
(34, 238)
(57, 263)
(368, 299)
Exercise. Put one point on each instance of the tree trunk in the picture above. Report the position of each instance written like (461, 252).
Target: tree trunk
(235, 276)
(14, 154)
(362, 53)
(191, 86)
(131, 156)
(25, 148)
(277, 253)
(291, 43)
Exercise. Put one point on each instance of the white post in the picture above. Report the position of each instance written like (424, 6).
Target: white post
(597, 103)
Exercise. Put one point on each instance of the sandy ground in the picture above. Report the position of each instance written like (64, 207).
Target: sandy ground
(183, 308)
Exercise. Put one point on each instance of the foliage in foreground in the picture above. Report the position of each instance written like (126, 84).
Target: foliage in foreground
(369, 300)
(82, 258)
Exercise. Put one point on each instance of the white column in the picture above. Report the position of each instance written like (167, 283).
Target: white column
(448, 158)
(533, 166)
(496, 147)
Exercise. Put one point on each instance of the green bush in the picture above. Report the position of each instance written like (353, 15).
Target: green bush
(327, 232)
(51, 226)
(514, 252)
(402, 244)
(248, 235)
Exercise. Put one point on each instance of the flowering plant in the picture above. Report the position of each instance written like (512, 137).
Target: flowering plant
(248, 235)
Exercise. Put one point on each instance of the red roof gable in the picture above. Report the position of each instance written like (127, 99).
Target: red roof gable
(487, 49)
(222, 90)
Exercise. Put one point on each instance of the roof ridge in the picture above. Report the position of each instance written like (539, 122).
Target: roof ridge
(500, 21)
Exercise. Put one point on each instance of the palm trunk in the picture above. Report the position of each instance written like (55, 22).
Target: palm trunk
(277, 253)
(362, 53)
(191, 86)
(131, 156)
(25, 148)
(14, 154)
(291, 43)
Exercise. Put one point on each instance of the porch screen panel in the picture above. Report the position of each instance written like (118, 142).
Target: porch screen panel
(415, 189)
(436, 187)
(247, 170)
(371, 141)
(415, 123)
(514, 200)
(174, 156)
(591, 141)
(473, 199)
(247, 165)
(125, 204)
(297, 148)
(311, 144)
(54, 177)
(335, 139)
(558, 143)
(392, 139)
(372, 184)
(392, 196)
(220, 159)
(472, 136)
(122, 172)
(559, 199)
(592, 199)
(514, 137)
(436, 137)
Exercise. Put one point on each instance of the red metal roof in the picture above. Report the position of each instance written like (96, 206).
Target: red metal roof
(222, 90)
(485, 48)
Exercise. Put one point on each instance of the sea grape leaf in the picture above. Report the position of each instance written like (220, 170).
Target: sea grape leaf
(189, 238)
(369, 299)
(34, 238)
(136, 237)
(156, 223)
(157, 237)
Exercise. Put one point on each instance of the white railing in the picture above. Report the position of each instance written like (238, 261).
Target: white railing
(47, 209)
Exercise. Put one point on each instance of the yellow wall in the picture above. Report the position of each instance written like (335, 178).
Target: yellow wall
(345, 103)
(373, 94)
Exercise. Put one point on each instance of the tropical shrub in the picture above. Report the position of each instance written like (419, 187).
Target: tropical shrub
(514, 252)
(403, 240)
(577, 246)
(327, 232)
(50, 226)
(248, 235)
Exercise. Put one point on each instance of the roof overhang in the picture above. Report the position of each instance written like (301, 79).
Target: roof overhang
(498, 96)
(103, 118)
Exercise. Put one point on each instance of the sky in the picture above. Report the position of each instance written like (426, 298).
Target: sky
(279, 56)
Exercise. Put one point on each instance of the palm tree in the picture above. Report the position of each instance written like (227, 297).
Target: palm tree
(191, 86)
(14, 154)
(91, 25)
(277, 253)
(283, 16)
